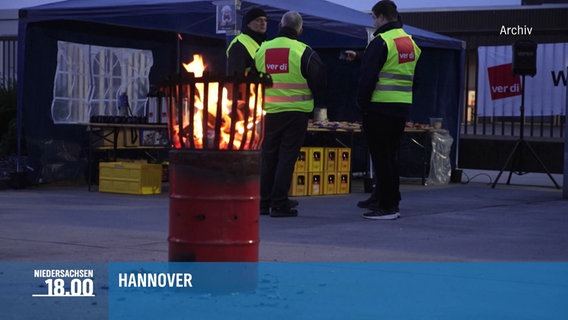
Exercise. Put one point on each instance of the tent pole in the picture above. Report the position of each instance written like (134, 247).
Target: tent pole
(178, 53)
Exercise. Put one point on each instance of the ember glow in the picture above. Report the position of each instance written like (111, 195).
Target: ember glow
(210, 118)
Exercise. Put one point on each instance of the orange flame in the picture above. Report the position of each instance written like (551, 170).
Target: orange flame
(238, 126)
(196, 66)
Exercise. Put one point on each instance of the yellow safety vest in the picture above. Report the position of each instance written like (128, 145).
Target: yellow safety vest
(248, 42)
(281, 58)
(397, 75)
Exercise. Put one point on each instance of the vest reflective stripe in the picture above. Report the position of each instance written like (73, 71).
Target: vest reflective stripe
(288, 99)
(396, 78)
(281, 58)
(300, 86)
(386, 87)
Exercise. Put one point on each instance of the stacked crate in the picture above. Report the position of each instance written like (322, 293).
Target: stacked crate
(343, 170)
(315, 171)
(337, 170)
(330, 171)
(299, 186)
(321, 171)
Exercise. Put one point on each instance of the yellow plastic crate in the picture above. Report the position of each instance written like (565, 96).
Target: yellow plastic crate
(315, 187)
(299, 184)
(343, 183)
(329, 183)
(300, 165)
(130, 177)
(344, 159)
(330, 161)
(315, 159)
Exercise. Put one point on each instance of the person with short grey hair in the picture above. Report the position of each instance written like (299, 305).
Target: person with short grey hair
(293, 20)
(299, 81)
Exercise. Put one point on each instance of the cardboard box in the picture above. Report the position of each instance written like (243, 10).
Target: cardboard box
(301, 161)
(330, 183)
(104, 137)
(315, 159)
(343, 183)
(127, 137)
(315, 187)
(330, 161)
(130, 136)
(344, 159)
(130, 177)
(299, 185)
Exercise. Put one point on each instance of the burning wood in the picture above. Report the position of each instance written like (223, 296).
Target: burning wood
(215, 113)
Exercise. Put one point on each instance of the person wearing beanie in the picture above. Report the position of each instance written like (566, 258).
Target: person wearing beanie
(241, 50)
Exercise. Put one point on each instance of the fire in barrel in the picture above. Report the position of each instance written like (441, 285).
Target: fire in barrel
(216, 129)
(215, 113)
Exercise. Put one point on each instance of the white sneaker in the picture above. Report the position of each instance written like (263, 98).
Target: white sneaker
(382, 214)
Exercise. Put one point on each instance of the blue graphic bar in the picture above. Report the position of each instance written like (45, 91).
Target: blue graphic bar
(282, 290)
(346, 291)
(49, 290)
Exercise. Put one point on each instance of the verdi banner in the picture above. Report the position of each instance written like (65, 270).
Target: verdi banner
(499, 91)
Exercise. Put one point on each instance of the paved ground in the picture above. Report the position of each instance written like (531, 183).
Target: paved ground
(524, 221)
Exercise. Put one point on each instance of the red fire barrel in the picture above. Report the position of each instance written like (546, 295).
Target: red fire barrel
(214, 205)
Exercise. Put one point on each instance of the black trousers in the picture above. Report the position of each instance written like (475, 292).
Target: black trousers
(284, 134)
(383, 135)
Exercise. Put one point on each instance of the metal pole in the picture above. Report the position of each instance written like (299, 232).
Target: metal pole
(522, 132)
(565, 184)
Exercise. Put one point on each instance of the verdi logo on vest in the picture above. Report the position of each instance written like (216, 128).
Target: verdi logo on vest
(502, 82)
(276, 60)
(405, 49)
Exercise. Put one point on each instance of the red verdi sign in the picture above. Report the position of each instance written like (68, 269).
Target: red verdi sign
(276, 60)
(405, 49)
(502, 83)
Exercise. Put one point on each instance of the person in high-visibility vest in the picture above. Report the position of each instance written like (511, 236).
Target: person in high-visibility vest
(384, 98)
(240, 52)
(299, 79)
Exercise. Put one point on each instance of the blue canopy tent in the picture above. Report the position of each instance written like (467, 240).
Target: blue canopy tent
(159, 26)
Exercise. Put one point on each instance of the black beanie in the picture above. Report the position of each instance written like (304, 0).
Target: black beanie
(253, 14)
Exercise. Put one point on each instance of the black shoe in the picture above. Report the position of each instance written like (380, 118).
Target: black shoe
(283, 212)
(376, 206)
(366, 203)
(292, 203)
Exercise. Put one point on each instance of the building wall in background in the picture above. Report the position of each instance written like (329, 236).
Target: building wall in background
(483, 136)
(8, 45)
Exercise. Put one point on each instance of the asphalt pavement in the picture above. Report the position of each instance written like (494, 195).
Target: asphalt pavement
(469, 221)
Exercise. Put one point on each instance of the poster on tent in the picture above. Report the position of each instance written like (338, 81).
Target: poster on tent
(226, 17)
(500, 92)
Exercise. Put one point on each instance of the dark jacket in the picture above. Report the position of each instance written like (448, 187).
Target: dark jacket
(312, 68)
(371, 63)
(239, 59)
